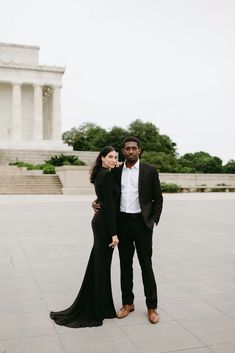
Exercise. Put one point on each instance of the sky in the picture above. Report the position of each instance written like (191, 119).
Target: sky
(170, 62)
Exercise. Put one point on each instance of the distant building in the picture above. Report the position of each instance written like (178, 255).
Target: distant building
(30, 105)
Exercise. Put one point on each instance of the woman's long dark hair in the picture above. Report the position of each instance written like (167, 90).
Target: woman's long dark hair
(98, 162)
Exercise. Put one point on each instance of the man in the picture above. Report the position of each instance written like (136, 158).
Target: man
(140, 208)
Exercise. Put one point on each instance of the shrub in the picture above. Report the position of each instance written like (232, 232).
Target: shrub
(218, 190)
(170, 187)
(62, 159)
(19, 164)
(79, 162)
(48, 169)
(29, 166)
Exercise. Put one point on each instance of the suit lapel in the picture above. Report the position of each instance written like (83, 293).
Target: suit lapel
(141, 174)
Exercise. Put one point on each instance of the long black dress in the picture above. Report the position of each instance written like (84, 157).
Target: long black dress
(94, 301)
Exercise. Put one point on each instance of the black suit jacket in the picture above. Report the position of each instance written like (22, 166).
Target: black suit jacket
(150, 195)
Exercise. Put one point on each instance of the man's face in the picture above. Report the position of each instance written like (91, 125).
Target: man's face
(131, 152)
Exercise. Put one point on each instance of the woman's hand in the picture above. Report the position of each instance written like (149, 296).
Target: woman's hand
(95, 206)
(115, 241)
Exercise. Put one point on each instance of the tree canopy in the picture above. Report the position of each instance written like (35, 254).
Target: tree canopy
(91, 137)
(157, 149)
(88, 137)
(201, 162)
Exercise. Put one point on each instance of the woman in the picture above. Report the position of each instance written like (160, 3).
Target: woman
(94, 301)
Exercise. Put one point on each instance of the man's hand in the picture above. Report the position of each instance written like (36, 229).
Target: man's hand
(115, 241)
(95, 206)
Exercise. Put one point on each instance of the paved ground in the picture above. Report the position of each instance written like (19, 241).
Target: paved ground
(44, 247)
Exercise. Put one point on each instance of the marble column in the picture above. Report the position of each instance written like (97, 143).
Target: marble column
(37, 113)
(16, 123)
(56, 114)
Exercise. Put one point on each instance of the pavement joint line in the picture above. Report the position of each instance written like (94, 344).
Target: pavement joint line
(120, 328)
(215, 307)
(213, 245)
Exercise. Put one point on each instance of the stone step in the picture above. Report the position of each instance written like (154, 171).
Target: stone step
(28, 179)
(31, 192)
(22, 176)
(29, 183)
(34, 184)
(14, 170)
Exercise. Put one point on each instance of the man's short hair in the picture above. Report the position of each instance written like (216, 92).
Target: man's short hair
(131, 139)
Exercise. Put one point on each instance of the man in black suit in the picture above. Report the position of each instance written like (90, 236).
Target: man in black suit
(140, 208)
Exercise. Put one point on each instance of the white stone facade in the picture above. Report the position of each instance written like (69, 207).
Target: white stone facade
(30, 106)
(21, 54)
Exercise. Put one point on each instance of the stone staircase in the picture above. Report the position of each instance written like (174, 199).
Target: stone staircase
(17, 181)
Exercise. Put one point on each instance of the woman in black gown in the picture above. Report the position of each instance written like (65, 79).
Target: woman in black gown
(94, 301)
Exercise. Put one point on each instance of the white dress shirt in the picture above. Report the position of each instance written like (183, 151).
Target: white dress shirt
(129, 189)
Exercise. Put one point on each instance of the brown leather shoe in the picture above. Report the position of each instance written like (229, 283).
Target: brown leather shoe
(125, 310)
(153, 316)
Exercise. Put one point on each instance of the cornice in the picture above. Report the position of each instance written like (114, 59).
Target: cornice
(25, 46)
(47, 68)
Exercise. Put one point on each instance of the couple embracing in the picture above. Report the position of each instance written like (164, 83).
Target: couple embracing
(129, 203)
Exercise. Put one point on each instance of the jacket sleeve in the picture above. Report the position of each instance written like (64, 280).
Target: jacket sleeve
(110, 205)
(157, 197)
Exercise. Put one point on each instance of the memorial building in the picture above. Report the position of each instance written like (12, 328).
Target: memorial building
(30, 101)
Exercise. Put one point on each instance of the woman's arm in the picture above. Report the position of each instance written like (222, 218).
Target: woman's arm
(110, 203)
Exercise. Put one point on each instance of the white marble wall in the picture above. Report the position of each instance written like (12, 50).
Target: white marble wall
(13, 53)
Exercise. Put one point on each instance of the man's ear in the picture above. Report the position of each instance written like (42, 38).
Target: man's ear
(140, 150)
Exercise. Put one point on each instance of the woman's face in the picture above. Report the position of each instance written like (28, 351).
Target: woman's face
(110, 160)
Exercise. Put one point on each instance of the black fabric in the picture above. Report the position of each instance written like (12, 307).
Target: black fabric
(134, 234)
(150, 195)
(94, 301)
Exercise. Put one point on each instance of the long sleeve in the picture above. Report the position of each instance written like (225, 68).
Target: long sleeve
(110, 203)
(157, 197)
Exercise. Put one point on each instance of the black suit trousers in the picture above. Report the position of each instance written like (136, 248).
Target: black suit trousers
(134, 234)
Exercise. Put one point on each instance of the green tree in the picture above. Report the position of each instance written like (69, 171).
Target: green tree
(164, 162)
(167, 145)
(72, 136)
(87, 137)
(157, 149)
(116, 136)
(150, 138)
(91, 137)
(229, 167)
(201, 162)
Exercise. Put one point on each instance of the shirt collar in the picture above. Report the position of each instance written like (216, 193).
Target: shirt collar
(136, 165)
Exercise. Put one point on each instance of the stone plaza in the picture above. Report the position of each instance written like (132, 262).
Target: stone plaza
(45, 242)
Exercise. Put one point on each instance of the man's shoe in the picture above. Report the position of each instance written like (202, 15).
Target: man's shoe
(153, 316)
(125, 310)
